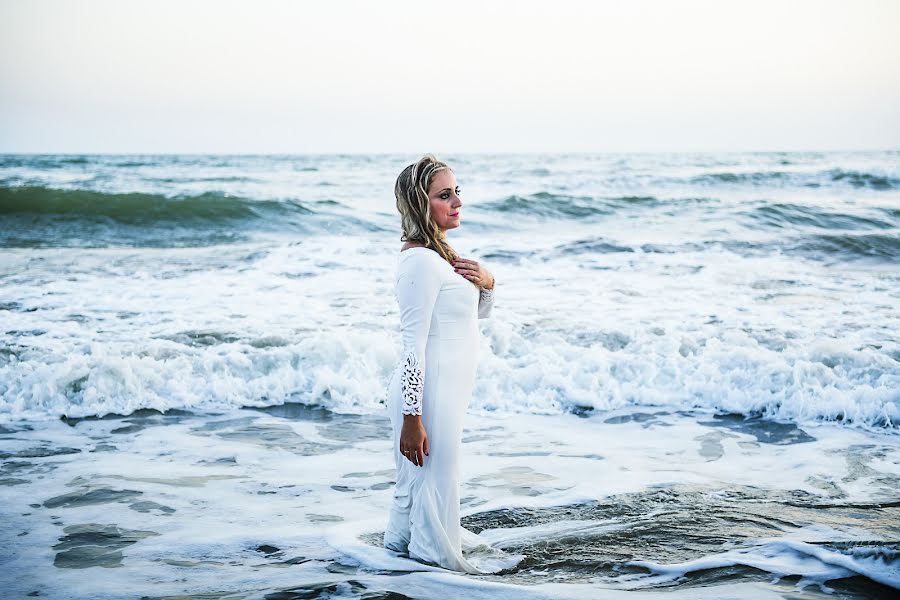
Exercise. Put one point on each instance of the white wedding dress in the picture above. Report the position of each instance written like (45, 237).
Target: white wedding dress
(439, 312)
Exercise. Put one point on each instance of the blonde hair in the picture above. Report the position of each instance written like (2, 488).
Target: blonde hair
(411, 191)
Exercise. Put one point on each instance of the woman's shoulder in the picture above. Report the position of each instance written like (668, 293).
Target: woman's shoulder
(415, 251)
(419, 258)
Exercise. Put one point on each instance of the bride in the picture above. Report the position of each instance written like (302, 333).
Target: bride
(440, 295)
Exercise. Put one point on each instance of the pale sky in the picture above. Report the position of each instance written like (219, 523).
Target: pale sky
(267, 76)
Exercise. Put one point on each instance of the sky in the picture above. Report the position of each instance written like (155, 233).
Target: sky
(271, 76)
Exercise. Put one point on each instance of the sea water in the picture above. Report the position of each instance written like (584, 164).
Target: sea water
(674, 337)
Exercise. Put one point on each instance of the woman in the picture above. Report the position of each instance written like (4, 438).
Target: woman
(440, 296)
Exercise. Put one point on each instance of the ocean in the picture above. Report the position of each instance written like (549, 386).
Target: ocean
(690, 381)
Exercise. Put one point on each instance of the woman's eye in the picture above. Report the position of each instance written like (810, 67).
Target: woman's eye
(444, 196)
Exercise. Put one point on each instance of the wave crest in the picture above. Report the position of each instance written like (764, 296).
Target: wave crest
(139, 208)
(37, 216)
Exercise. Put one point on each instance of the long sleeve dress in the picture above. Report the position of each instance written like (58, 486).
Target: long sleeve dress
(439, 309)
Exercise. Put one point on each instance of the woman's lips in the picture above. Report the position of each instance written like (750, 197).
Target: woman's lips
(456, 214)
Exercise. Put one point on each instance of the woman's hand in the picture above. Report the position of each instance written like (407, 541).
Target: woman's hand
(473, 271)
(414, 440)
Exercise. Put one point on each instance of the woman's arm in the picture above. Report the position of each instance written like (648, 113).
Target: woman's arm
(418, 284)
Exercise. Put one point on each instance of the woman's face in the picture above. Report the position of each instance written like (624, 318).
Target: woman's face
(443, 193)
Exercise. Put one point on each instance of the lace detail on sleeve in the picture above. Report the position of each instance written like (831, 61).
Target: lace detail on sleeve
(413, 383)
(485, 302)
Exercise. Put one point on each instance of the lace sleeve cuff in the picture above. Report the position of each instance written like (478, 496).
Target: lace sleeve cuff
(487, 295)
(413, 382)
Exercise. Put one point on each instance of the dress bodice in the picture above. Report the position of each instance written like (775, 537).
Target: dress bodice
(436, 303)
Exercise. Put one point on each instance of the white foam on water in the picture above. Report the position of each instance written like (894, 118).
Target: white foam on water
(671, 302)
(115, 342)
(781, 557)
(434, 586)
(225, 485)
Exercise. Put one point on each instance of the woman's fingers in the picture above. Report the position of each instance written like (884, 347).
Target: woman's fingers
(414, 456)
(415, 450)
(420, 453)
(417, 457)
(469, 269)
